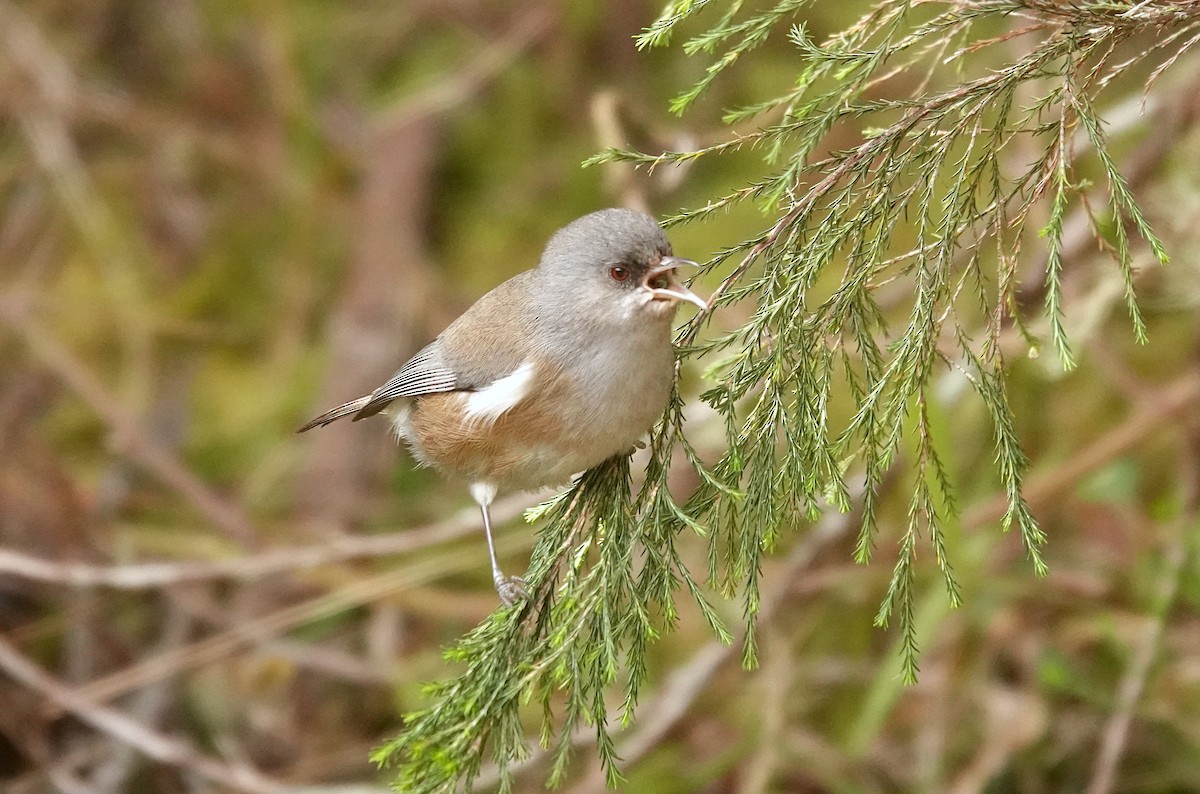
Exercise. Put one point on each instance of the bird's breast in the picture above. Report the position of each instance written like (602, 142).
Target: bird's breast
(564, 418)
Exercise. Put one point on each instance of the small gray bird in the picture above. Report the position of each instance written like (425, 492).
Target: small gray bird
(549, 374)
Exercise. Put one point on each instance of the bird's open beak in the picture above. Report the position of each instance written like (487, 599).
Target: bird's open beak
(663, 284)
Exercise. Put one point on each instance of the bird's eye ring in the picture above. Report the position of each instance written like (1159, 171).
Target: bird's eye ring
(619, 273)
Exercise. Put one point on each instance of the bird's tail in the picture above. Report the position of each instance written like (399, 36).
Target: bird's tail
(334, 414)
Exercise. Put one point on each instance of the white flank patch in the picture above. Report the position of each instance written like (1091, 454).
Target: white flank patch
(490, 403)
(400, 412)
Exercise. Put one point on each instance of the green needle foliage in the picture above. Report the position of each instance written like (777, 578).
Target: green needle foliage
(925, 212)
(603, 576)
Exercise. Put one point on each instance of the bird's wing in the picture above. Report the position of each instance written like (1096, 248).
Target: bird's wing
(333, 414)
(424, 373)
(486, 345)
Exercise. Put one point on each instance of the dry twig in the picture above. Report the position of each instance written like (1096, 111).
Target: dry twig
(151, 744)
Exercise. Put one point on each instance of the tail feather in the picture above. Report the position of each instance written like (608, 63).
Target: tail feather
(334, 414)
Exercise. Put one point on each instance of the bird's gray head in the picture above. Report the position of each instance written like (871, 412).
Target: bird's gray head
(616, 264)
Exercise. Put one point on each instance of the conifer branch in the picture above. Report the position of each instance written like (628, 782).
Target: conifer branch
(927, 198)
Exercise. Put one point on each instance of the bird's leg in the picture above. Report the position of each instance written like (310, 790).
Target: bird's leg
(510, 588)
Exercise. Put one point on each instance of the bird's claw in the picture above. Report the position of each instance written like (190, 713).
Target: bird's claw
(511, 589)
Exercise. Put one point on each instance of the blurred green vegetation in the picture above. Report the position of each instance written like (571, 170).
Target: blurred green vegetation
(218, 218)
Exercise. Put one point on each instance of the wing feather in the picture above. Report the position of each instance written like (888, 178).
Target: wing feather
(425, 373)
(332, 415)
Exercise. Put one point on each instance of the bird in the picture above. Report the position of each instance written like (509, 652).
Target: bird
(549, 374)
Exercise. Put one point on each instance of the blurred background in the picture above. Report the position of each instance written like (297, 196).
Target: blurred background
(218, 219)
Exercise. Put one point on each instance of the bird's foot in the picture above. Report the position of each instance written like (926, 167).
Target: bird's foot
(511, 589)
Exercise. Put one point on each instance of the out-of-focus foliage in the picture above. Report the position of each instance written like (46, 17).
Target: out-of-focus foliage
(217, 219)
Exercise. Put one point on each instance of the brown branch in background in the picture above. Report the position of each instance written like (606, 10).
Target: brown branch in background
(616, 127)
(252, 631)
(1012, 719)
(1041, 489)
(463, 86)
(339, 549)
(148, 708)
(620, 178)
(128, 436)
(111, 722)
(58, 769)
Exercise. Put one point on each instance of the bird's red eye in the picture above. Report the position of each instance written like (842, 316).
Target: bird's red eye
(618, 274)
